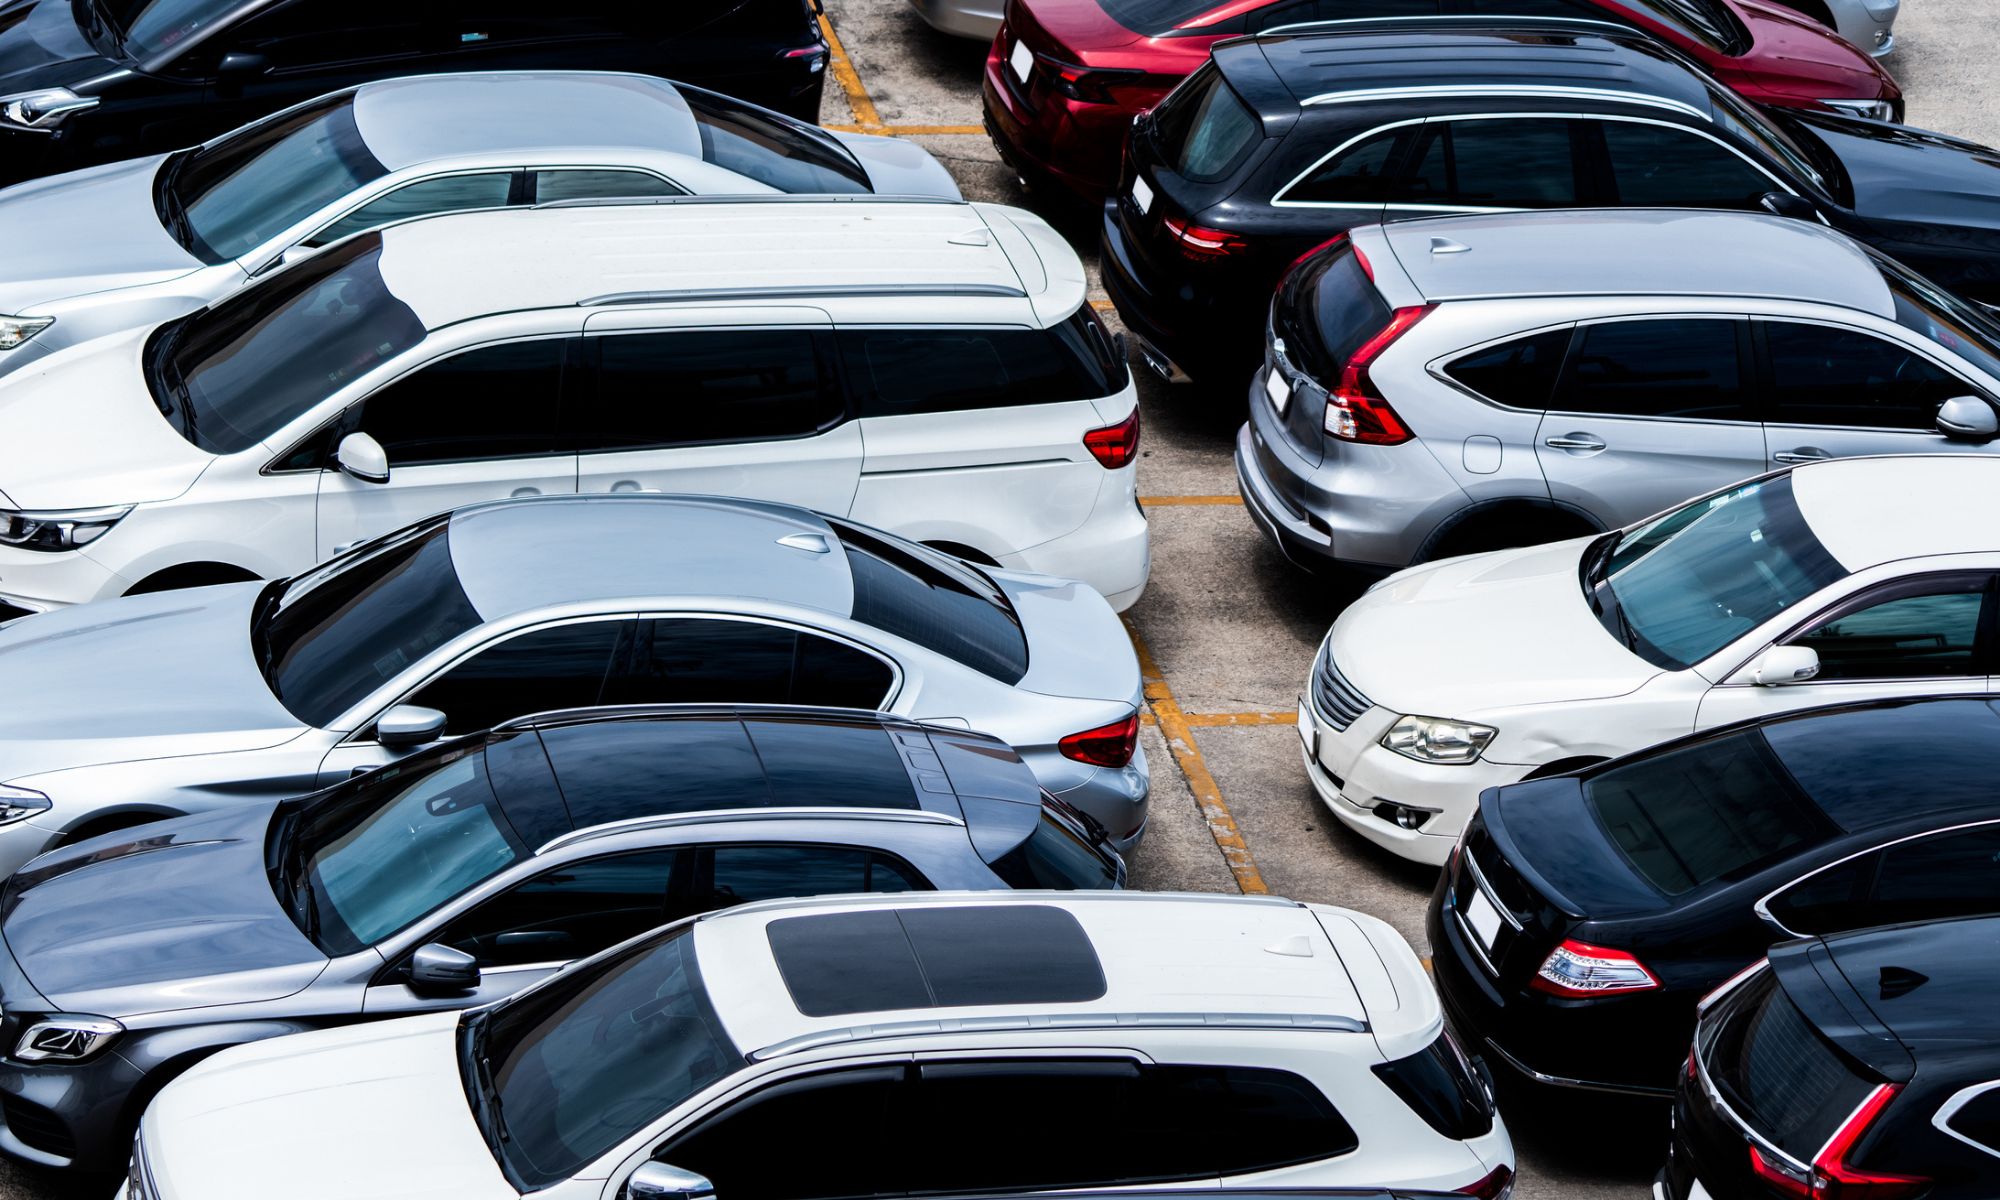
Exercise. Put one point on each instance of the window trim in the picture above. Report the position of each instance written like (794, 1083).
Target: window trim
(533, 170)
(1438, 368)
(704, 856)
(1766, 376)
(1763, 905)
(1941, 1119)
(1901, 587)
(322, 222)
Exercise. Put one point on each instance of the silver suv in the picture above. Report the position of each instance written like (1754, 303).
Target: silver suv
(1441, 387)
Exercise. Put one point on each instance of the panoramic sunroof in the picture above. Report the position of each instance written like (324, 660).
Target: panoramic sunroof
(876, 961)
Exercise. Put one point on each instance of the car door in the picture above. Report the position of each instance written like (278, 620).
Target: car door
(1834, 390)
(1649, 411)
(477, 425)
(735, 660)
(731, 402)
(1952, 872)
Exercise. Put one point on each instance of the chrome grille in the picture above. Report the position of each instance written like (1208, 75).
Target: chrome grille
(1338, 701)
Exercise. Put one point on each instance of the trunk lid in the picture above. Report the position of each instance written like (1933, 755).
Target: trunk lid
(1068, 625)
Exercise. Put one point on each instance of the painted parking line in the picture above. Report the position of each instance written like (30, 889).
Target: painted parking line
(1187, 501)
(1173, 725)
(867, 120)
(1225, 720)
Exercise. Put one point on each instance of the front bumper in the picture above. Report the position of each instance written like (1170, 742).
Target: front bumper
(77, 1117)
(37, 582)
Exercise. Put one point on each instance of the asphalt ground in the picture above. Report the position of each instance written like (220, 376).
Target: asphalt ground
(1227, 629)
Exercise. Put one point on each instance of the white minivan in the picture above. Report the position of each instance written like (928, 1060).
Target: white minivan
(930, 367)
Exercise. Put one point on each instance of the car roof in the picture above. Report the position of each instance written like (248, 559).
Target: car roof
(1930, 985)
(458, 266)
(1871, 511)
(1622, 252)
(413, 120)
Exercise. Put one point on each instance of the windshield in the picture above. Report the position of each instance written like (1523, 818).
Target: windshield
(772, 150)
(563, 1072)
(153, 27)
(939, 603)
(1940, 317)
(327, 639)
(224, 200)
(1684, 585)
(236, 373)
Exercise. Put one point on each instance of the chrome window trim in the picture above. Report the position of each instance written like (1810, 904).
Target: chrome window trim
(1763, 906)
(716, 815)
(1722, 1106)
(1055, 1022)
(1949, 1109)
(1937, 570)
(1476, 91)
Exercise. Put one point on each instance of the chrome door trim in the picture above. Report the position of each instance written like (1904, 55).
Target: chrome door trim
(1763, 906)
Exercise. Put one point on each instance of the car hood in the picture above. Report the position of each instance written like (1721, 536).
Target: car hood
(86, 231)
(130, 455)
(1077, 647)
(40, 46)
(1897, 173)
(241, 1125)
(899, 168)
(1472, 635)
(1794, 55)
(139, 677)
(178, 914)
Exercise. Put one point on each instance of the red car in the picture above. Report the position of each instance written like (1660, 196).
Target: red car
(1065, 77)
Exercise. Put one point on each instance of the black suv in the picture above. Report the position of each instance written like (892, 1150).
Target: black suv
(90, 81)
(1283, 141)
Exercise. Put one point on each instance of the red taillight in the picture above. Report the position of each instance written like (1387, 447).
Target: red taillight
(1780, 1178)
(1356, 411)
(1114, 446)
(1200, 243)
(1579, 970)
(1105, 746)
(1498, 1185)
(1092, 85)
(1834, 1179)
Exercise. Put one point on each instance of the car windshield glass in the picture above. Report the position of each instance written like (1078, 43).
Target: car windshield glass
(565, 1071)
(328, 638)
(230, 197)
(1684, 585)
(1737, 117)
(236, 373)
(1940, 317)
(1779, 1073)
(772, 150)
(1703, 812)
(156, 27)
(365, 860)
(937, 602)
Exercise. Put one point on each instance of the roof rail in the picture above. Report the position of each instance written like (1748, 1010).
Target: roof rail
(779, 198)
(695, 711)
(673, 295)
(964, 896)
(1062, 1022)
(1546, 91)
(708, 816)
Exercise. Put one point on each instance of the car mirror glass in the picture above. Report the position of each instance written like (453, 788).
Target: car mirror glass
(658, 1181)
(438, 968)
(1967, 418)
(362, 457)
(409, 725)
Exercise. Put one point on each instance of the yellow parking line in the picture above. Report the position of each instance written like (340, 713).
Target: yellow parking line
(1186, 501)
(865, 116)
(912, 130)
(1103, 306)
(1187, 756)
(1223, 720)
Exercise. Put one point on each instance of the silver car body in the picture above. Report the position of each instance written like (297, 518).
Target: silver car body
(975, 19)
(1869, 24)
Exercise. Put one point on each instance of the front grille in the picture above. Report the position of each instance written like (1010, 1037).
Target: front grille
(37, 1127)
(1338, 701)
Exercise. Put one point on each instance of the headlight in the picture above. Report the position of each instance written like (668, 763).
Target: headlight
(15, 330)
(1436, 740)
(1881, 110)
(66, 1038)
(57, 530)
(19, 803)
(42, 110)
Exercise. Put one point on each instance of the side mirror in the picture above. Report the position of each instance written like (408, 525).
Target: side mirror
(437, 969)
(1967, 418)
(362, 457)
(409, 725)
(1781, 665)
(242, 62)
(658, 1181)
(1785, 204)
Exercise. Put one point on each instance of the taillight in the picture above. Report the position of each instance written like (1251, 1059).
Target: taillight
(1113, 446)
(1579, 970)
(1783, 1178)
(1105, 746)
(1356, 410)
(1498, 1185)
(1092, 85)
(1834, 1179)
(1202, 244)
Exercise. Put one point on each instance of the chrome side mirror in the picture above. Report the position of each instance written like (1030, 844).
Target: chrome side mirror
(436, 968)
(658, 1181)
(362, 457)
(409, 725)
(1967, 418)
(1781, 665)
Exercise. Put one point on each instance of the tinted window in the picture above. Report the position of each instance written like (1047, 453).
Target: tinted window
(1833, 900)
(570, 912)
(617, 770)
(1155, 17)
(1204, 129)
(1520, 373)
(1979, 1119)
(563, 666)
(1058, 854)
(821, 764)
(740, 874)
(452, 193)
(1493, 164)
(1910, 637)
(701, 661)
(1440, 1086)
(726, 385)
(496, 402)
(256, 183)
(1945, 875)
(1854, 762)
(836, 675)
(1357, 175)
(1657, 166)
(1821, 375)
(840, 1131)
(1685, 368)
(899, 371)
(554, 186)
(775, 151)
(1326, 310)
(1961, 328)
(1302, 11)
(1781, 1075)
(937, 602)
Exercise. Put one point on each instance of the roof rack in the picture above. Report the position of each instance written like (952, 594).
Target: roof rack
(694, 711)
(675, 295)
(916, 816)
(1063, 1022)
(1502, 90)
(780, 198)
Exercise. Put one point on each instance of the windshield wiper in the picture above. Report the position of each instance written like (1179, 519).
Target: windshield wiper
(1596, 558)
(484, 1094)
(173, 210)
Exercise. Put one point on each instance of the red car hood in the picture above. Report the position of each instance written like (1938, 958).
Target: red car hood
(1793, 58)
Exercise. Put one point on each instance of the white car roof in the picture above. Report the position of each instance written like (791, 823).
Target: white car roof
(410, 121)
(460, 266)
(1869, 511)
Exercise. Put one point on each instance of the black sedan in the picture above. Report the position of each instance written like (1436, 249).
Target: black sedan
(1583, 916)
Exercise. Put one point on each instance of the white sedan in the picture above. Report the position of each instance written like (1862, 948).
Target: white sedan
(1855, 579)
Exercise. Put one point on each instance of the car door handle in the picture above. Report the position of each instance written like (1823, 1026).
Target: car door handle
(1801, 454)
(1573, 441)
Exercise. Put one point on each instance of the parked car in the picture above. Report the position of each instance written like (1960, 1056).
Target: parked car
(1831, 582)
(1584, 915)
(751, 1052)
(975, 19)
(1066, 77)
(1288, 139)
(471, 870)
(143, 240)
(1440, 387)
(927, 366)
(1868, 24)
(98, 82)
(164, 705)
(1859, 1065)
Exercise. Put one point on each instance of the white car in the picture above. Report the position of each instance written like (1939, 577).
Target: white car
(930, 367)
(926, 1043)
(1852, 579)
(131, 243)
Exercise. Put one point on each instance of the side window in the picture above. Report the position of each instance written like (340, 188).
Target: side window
(702, 661)
(1978, 1119)
(563, 666)
(1688, 368)
(551, 186)
(1658, 166)
(1833, 900)
(495, 402)
(1943, 875)
(1518, 374)
(900, 372)
(1303, 11)
(1494, 164)
(567, 913)
(1359, 174)
(688, 388)
(837, 675)
(453, 193)
(1930, 635)
(1821, 375)
(741, 874)
(839, 1131)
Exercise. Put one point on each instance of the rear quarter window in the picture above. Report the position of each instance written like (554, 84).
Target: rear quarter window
(1519, 374)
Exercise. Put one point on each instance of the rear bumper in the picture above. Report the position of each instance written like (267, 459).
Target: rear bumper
(1068, 148)
(1189, 330)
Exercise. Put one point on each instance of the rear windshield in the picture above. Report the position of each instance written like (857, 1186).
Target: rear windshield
(1705, 811)
(1060, 855)
(1203, 130)
(1778, 1073)
(1440, 1085)
(1154, 18)
(937, 602)
(772, 150)
(1326, 310)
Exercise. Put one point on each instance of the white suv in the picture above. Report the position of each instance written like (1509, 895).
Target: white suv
(927, 1043)
(928, 367)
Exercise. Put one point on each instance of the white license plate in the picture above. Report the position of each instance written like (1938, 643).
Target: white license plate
(1142, 195)
(1022, 60)
(1308, 731)
(1278, 390)
(1483, 917)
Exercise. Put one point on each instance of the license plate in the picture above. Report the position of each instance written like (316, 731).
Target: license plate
(1483, 917)
(1278, 390)
(1022, 60)
(1142, 195)
(1308, 731)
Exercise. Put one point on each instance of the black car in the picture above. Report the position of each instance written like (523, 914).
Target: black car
(1859, 1067)
(1583, 915)
(90, 81)
(1283, 141)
